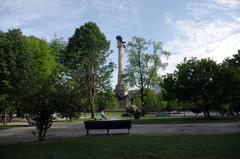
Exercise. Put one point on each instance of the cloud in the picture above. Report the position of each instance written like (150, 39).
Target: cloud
(40, 18)
(124, 9)
(206, 7)
(216, 37)
(228, 3)
(46, 17)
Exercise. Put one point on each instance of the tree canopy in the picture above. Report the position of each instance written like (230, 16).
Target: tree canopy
(12, 64)
(38, 87)
(205, 85)
(144, 62)
(87, 51)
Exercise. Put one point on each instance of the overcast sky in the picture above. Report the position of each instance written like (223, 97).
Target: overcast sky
(206, 28)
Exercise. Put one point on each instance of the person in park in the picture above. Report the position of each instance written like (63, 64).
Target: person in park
(103, 115)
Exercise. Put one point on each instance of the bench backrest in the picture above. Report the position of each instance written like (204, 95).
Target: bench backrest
(108, 124)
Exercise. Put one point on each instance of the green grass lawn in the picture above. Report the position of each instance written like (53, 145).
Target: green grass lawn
(2, 127)
(129, 147)
(183, 120)
(173, 120)
(87, 116)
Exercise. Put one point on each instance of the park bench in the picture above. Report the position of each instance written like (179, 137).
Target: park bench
(107, 124)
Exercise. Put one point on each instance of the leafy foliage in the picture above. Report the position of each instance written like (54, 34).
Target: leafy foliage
(68, 99)
(153, 100)
(37, 89)
(12, 64)
(87, 51)
(106, 100)
(194, 81)
(143, 64)
(41, 78)
(229, 84)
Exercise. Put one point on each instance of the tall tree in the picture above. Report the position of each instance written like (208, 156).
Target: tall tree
(194, 81)
(87, 51)
(38, 87)
(12, 61)
(229, 85)
(144, 62)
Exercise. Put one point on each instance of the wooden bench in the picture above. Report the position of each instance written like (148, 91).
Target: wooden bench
(107, 124)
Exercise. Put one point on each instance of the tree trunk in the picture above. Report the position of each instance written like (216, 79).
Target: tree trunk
(237, 114)
(5, 116)
(43, 123)
(40, 134)
(206, 113)
(142, 97)
(206, 109)
(236, 109)
(141, 80)
(91, 90)
(5, 112)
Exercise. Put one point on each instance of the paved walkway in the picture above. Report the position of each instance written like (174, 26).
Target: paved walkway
(59, 130)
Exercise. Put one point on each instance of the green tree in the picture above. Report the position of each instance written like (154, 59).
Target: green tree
(169, 86)
(194, 81)
(68, 99)
(38, 88)
(59, 46)
(153, 100)
(229, 85)
(103, 78)
(106, 100)
(12, 63)
(144, 62)
(87, 51)
(68, 95)
(170, 93)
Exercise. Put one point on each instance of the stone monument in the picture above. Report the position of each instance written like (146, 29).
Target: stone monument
(120, 90)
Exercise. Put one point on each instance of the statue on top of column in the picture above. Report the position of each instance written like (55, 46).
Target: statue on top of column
(119, 38)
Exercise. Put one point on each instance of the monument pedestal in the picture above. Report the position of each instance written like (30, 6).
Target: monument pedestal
(122, 97)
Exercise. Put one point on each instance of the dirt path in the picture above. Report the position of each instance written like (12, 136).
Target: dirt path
(59, 130)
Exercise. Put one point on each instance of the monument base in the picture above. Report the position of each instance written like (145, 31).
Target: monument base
(121, 94)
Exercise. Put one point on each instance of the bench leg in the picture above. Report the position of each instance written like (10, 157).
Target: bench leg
(108, 131)
(128, 131)
(87, 131)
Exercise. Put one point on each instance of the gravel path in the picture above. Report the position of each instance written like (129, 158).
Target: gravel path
(59, 130)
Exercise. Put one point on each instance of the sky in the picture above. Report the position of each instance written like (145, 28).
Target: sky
(187, 28)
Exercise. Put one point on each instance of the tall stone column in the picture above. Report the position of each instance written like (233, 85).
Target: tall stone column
(120, 64)
(120, 89)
